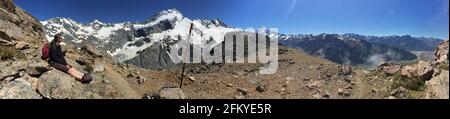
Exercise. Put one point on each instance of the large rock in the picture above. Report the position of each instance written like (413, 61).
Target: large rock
(20, 45)
(170, 93)
(98, 68)
(400, 92)
(37, 69)
(438, 87)
(391, 69)
(441, 52)
(18, 89)
(422, 70)
(346, 70)
(55, 84)
(58, 85)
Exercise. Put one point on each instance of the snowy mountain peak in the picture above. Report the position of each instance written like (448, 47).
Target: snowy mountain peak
(216, 22)
(169, 11)
(126, 40)
(97, 24)
(59, 20)
(170, 14)
(96, 21)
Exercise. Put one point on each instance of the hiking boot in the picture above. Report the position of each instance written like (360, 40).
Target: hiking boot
(86, 79)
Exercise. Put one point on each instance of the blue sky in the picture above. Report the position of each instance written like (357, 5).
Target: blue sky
(427, 18)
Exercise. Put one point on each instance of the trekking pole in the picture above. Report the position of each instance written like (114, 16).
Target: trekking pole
(188, 51)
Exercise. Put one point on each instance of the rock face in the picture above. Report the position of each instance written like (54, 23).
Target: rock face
(154, 57)
(18, 30)
(18, 25)
(32, 78)
(442, 53)
(438, 86)
(18, 89)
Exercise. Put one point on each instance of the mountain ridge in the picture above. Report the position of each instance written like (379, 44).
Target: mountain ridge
(126, 41)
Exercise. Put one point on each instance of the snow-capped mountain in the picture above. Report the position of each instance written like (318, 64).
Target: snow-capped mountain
(146, 43)
(126, 41)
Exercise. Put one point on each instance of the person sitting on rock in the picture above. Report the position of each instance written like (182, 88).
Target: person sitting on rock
(58, 61)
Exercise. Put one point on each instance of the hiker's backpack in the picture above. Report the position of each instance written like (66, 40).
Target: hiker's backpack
(45, 51)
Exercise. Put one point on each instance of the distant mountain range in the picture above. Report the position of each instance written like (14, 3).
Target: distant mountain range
(146, 44)
(346, 50)
(406, 42)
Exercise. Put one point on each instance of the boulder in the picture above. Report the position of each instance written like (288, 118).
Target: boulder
(346, 70)
(383, 64)
(239, 97)
(141, 79)
(340, 91)
(409, 71)
(243, 91)
(400, 92)
(390, 69)
(55, 84)
(170, 93)
(317, 96)
(98, 68)
(261, 88)
(423, 70)
(20, 45)
(18, 89)
(313, 85)
(37, 69)
(191, 78)
(374, 90)
(58, 85)
(441, 53)
(438, 87)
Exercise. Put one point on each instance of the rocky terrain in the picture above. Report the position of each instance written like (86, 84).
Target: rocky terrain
(23, 75)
